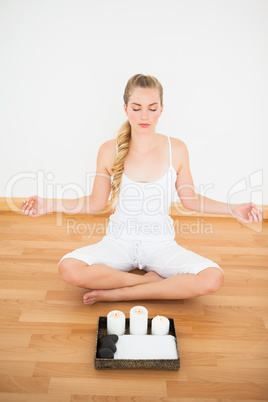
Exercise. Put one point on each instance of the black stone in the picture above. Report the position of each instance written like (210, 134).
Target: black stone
(113, 337)
(105, 353)
(108, 343)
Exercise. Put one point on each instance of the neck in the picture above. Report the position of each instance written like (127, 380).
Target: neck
(143, 142)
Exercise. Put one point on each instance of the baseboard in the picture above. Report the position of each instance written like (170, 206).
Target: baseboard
(176, 209)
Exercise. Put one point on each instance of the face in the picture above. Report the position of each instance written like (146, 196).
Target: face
(144, 108)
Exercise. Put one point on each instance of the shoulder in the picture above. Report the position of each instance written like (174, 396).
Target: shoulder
(177, 143)
(108, 146)
(179, 152)
(107, 154)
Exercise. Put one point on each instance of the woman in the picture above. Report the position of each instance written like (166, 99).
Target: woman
(146, 168)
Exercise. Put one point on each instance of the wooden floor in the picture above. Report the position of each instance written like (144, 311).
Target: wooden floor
(48, 335)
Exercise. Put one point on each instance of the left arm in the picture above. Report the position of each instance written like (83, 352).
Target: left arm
(247, 212)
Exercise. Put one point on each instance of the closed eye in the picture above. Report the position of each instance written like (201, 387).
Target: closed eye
(152, 110)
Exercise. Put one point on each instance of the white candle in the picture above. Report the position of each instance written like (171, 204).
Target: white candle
(138, 321)
(160, 325)
(116, 322)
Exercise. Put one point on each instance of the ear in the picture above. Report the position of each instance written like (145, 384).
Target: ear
(125, 109)
(161, 109)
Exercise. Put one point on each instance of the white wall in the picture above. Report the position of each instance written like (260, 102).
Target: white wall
(64, 66)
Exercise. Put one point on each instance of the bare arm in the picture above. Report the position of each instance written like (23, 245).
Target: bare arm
(95, 202)
(247, 212)
(186, 191)
(100, 192)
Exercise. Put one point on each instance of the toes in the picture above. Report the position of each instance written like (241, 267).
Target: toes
(89, 301)
(88, 298)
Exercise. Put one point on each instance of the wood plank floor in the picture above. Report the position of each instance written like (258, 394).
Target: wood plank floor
(48, 335)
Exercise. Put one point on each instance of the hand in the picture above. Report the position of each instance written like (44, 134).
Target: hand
(248, 212)
(36, 206)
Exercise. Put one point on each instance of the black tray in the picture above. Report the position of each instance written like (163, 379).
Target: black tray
(161, 364)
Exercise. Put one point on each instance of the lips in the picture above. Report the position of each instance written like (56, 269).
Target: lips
(144, 125)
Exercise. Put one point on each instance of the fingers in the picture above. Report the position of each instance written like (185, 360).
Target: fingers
(27, 207)
(255, 215)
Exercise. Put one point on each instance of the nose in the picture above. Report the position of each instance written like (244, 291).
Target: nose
(144, 115)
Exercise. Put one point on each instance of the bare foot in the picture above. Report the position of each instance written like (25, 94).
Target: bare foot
(94, 296)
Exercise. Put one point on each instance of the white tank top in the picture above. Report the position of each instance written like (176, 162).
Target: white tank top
(142, 212)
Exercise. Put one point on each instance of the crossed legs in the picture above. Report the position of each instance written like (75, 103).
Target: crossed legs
(109, 284)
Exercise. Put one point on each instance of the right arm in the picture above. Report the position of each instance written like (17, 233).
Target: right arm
(37, 206)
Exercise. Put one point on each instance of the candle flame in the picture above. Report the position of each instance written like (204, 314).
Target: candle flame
(115, 314)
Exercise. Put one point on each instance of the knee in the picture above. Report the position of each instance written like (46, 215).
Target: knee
(68, 272)
(213, 282)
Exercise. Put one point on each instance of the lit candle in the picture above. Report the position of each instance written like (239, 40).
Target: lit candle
(138, 321)
(116, 322)
(160, 325)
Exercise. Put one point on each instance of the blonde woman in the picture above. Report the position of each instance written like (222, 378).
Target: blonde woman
(143, 169)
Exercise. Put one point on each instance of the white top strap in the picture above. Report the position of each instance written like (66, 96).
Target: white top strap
(170, 155)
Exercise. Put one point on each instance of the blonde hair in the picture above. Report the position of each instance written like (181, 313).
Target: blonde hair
(124, 133)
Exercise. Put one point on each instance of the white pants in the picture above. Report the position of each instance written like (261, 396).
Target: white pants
(166, 258)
